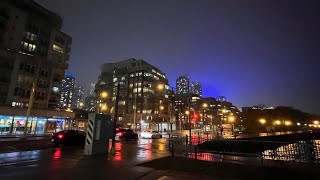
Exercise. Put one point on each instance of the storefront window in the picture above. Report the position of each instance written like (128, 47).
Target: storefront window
(5, 124)
(14, 125)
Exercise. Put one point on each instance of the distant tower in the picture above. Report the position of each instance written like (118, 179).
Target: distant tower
(196, 88)
(78, 97)
(90, 90)
(183, 84)
(67, 89)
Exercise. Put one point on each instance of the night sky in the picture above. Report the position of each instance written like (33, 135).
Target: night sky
(252, 52)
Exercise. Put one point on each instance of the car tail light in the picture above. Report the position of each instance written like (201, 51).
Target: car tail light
(119, 134)
(60, 136)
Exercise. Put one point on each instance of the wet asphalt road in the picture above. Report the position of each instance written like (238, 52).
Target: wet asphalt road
(71, 163)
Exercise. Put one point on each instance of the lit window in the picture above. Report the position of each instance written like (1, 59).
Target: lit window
(122, 102)
(28, 47)
(58, 48)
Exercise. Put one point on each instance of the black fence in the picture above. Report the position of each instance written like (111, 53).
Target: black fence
(248, 151)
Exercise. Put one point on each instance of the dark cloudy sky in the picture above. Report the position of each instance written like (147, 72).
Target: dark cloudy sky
(251, 51)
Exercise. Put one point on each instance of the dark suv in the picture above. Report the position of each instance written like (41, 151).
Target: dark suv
(126, 135)
(68, 138)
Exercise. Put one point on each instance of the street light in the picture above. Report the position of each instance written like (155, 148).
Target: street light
(161, 109)
(287, 123)
(204, 105)
(277, 122)
(160, 86)
(231, 121)
(189, 121)
(104, 107)
(187, 112)
(316, 122)
(103, 94)
(262, 121)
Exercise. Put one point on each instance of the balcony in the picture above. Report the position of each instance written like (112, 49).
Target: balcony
(68, 49)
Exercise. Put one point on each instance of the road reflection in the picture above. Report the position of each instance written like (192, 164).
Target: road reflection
(57, 154)
(118, 155)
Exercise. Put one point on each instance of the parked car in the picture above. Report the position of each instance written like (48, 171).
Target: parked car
(126, 135)
(68, 138)
(149, 134)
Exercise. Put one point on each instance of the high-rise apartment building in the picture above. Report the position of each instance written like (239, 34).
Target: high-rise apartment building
(90, 90)
(78, 97)
(90, 103)
(196, 88)
(33, 50)
(144, 94)
(221, 98)
(67, 90)
(183, 84)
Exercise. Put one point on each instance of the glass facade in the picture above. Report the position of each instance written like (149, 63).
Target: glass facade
(14, 125)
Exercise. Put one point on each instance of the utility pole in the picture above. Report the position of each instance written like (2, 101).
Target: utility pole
(135, 105)
(31, 100)
(172, 109)
(115, 117)
(189, 115)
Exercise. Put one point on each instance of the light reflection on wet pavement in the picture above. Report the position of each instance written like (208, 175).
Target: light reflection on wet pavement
(127, 153)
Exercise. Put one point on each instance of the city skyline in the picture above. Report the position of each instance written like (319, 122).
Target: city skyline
(251, 52)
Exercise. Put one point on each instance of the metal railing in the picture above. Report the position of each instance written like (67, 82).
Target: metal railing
(213, 149)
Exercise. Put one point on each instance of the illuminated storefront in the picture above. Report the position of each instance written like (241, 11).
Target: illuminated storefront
(36, 125)
(41, 122)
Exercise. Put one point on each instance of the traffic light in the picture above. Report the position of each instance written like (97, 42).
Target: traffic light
(195, 116)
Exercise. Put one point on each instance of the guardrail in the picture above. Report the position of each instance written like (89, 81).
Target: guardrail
(212, 149)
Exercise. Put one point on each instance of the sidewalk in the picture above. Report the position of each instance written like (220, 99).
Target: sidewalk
(174, 175)
(196, 169)
(11, 144)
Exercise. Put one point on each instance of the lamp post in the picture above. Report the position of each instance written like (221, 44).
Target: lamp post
(287, 123)
(262, 122)
(278, 123)
(189, 121)
(231, 121)
(161, 109)
(115, 118)
(221, 128)
(204, 105)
